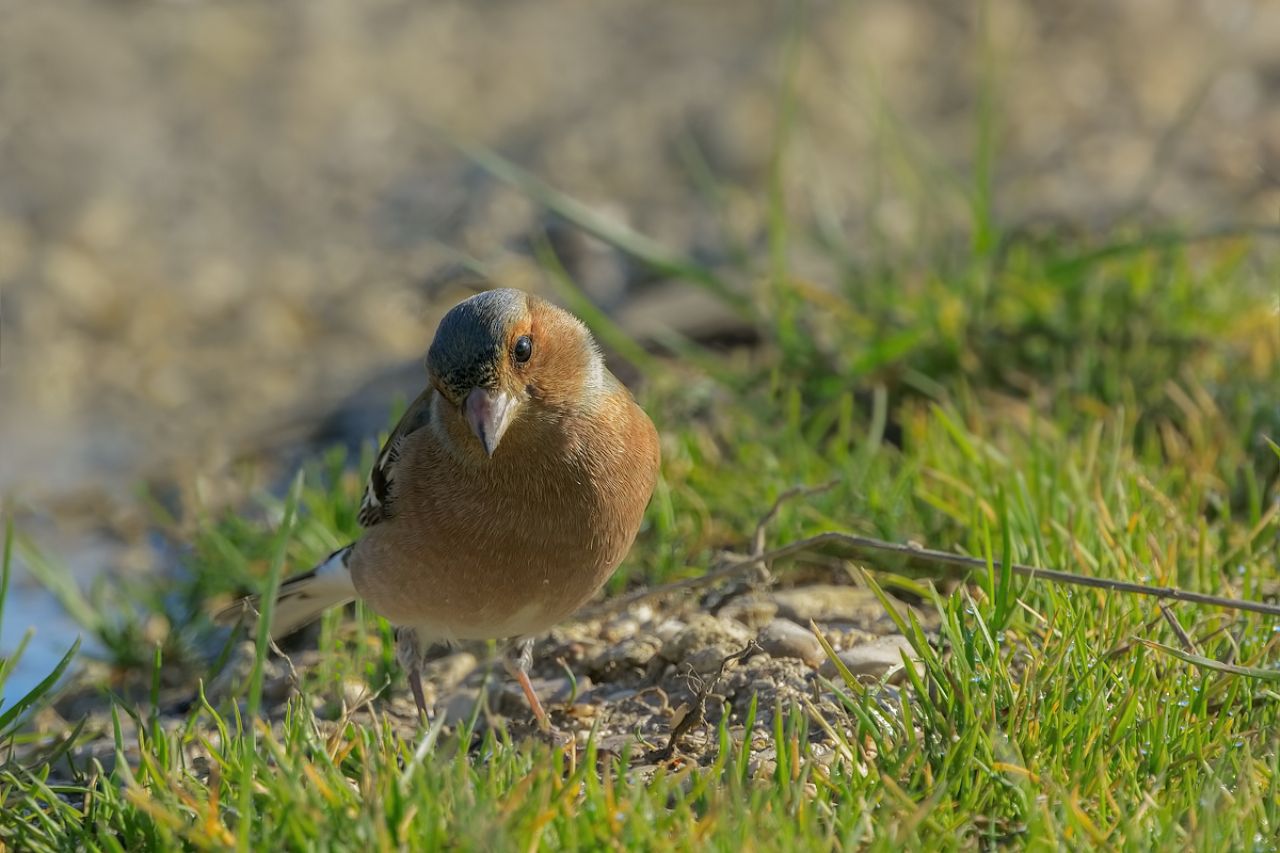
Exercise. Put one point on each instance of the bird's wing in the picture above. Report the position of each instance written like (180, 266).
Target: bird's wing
(379, 498)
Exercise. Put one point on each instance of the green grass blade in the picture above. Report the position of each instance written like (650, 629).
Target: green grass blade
(1201, 662)
(36, 693)
(6, 566)
(63, 587)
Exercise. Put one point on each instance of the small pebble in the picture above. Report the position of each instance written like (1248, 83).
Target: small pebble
(642, 613)
(355, 692)
(448, 672)
(619, 629)
(751, 610)
(783, 638)
(632, 653)
(706, 661)
(872, 660)
(703, 632)
(458, 707)
(668, 628)
(828, 603)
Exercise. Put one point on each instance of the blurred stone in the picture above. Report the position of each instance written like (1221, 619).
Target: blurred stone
(707, 661)
(621, 628)
(703, 632)
(771, 681)
(783, 638)
(633, 653)
(754, 611)
(80, 282)
(355, 692)
(457, 707)
(643, 613)
(827, 603)
(668, 629)
(872, 660)
(446, 673)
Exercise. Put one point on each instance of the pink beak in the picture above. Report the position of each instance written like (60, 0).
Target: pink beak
(488, 413)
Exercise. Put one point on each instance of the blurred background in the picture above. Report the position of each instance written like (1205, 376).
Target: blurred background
(227, 229)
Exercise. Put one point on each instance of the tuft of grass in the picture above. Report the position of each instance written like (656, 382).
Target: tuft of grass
(12, 712)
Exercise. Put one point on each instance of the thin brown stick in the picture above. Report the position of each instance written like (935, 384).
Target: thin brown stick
(734, 564)
(862, 543)
(1181, 633)
(762, 526)
(696, 714)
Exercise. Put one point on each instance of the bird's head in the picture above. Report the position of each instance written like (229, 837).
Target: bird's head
(504, 356)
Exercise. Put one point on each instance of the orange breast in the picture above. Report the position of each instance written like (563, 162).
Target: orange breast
(516, 543)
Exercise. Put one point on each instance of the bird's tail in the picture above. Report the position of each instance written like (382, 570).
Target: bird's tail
(303, 598)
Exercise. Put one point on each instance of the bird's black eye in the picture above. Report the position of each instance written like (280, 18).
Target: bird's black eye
(523, 349)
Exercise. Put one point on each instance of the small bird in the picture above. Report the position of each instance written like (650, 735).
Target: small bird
(505, 497)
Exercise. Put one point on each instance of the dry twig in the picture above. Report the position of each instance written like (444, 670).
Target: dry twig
(733, 565)
(696, 714)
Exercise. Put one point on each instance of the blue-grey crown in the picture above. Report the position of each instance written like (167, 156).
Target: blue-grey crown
(472, 337)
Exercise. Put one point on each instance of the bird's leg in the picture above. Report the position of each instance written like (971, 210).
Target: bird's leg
(518, 667)
(419, 698)
(409, 654)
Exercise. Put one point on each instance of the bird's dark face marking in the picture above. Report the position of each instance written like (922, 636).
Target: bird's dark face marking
(471, 344)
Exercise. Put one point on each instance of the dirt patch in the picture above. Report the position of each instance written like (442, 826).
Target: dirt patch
(655, 681)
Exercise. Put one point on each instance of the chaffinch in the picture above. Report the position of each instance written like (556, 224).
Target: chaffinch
(508, 493)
